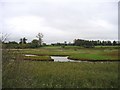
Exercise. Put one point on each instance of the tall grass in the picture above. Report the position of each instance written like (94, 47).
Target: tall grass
(60, 75)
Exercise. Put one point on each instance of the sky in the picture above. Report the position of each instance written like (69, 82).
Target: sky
(59, 20)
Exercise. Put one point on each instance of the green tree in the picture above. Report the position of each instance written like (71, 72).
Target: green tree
(34, 43)
(114, 43)
(23, 40)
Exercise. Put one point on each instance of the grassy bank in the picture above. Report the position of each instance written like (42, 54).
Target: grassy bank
(38, 58)
(27, 74)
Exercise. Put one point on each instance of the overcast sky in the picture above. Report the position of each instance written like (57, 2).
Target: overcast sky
(59, 20)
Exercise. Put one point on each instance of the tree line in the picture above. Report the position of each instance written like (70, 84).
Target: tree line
(88, 43)
(77, 42)
(35, 43)
(92, 43)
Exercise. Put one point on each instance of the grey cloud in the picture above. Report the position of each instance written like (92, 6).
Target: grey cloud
(73, 18)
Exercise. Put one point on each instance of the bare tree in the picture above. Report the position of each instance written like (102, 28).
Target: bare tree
(40, 36)
(3, 37)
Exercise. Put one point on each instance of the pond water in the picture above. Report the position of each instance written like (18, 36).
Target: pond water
(62, 59)
(29, 55)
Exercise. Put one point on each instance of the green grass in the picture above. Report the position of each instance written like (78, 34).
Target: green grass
(91, 57)
(77, 53)
(27, 74)
(38, 58)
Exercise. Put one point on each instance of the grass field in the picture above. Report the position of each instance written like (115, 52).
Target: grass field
(20, 73)
(27, 74)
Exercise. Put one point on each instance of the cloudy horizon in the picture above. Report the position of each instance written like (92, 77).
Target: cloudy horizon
(59, 21)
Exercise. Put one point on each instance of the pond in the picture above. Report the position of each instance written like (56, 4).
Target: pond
(62, 59)
(29, 55)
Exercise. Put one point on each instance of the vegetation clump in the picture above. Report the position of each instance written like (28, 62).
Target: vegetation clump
(38, 58)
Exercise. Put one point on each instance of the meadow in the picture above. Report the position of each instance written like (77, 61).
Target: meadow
(76, 52)
(20, 73)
